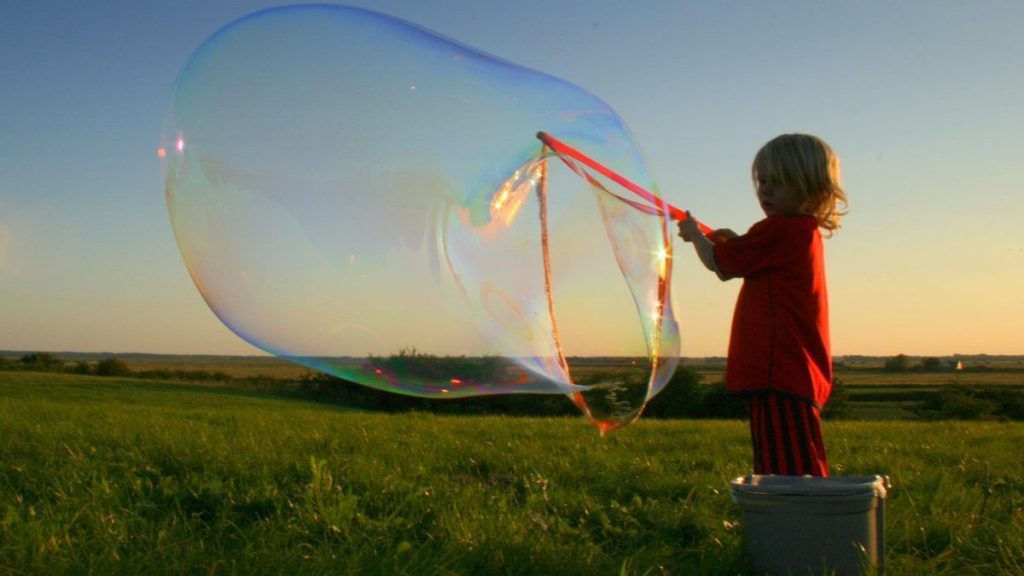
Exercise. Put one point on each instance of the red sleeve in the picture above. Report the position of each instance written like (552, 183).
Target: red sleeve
(747, 254)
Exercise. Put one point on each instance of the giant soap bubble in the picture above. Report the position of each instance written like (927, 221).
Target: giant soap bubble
(367, 198)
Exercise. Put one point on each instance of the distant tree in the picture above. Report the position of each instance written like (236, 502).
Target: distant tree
(931, 365)
(112, 367)
(898, 363)
(82, 367)
(838, 405)
(326, 387)
(958, 403)
(41, 361)
(719, 403)
(686, 396)
(682, 397)
(1011, 403)
(410, 362)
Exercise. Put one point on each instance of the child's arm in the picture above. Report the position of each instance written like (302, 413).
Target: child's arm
(703, 245)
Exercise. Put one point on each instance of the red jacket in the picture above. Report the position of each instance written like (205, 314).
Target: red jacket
(780, 335)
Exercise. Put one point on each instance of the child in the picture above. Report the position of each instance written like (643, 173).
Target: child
(779, 355)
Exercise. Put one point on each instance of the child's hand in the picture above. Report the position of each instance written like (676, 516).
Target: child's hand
(722, 235)
(688, 229)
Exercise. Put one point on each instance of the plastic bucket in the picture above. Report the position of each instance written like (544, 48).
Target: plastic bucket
(811, 525)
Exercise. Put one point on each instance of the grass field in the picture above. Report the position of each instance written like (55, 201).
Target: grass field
(108, 475)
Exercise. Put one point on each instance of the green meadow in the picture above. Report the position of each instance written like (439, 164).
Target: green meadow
(130, 476)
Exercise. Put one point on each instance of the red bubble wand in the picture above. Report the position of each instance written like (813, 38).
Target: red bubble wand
(648, 203)
(568, 153)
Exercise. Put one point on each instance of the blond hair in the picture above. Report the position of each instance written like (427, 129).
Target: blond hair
(807, 165)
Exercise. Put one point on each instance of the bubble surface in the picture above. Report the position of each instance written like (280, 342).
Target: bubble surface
(367, 198)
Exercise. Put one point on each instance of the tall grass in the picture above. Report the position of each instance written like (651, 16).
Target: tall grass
(105, 475)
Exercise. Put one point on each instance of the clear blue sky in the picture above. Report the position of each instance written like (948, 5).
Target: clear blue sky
(922, 100)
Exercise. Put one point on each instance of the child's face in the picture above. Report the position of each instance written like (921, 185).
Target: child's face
(777, 199)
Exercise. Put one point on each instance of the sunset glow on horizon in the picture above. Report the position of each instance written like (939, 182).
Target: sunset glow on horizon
(921, 103)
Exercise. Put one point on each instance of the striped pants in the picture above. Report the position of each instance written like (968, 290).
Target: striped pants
(786, 434)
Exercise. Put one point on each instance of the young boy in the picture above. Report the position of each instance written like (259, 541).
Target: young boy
(779, 354)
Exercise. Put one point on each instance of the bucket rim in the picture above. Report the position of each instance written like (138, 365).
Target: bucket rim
(810, 486)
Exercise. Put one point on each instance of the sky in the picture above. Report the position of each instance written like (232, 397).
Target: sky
(921, 100)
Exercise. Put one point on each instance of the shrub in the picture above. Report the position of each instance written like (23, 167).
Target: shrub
(958, 403)
(1011, 403)
(719, 403)
(686, 396)
(838, 405)
(41, 361)
(328, 388)
(112, 367)
(898, 363)
(82, 367)
(409, 362)
(682, 397)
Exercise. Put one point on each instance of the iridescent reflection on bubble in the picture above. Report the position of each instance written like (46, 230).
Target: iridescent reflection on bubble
(365, 197)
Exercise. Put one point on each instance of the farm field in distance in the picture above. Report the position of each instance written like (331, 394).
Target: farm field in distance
(853, 371)
(871, 391)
